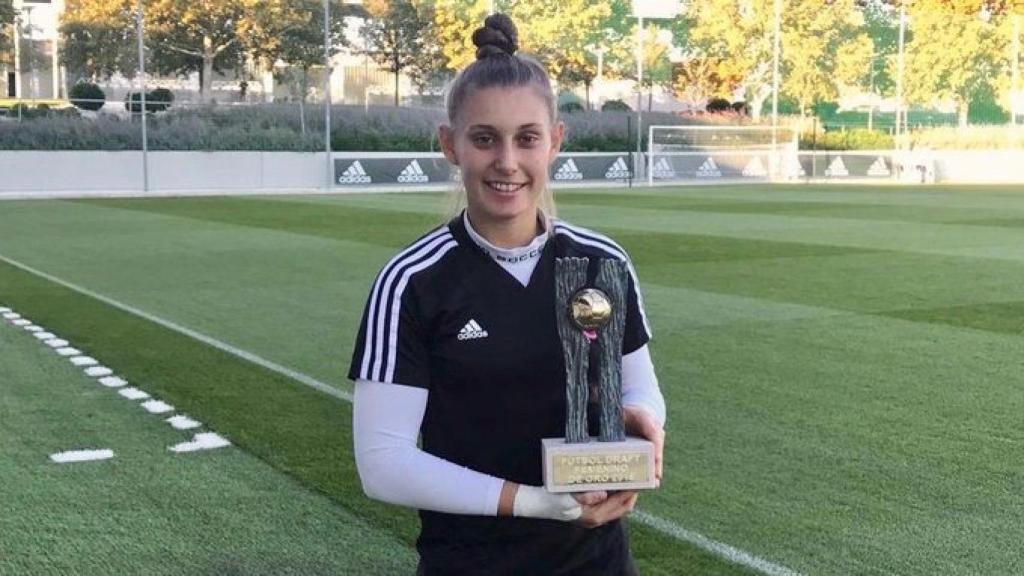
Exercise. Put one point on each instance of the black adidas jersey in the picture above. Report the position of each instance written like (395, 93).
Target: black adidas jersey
(443, 315)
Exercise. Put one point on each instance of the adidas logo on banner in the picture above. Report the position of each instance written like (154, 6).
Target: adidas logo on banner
(837, 168)
(471, 331)
(354, 174)
(413, 174)
(755, 168)
(709, 169)
(618, 170)
(879, 168)
(662, 169)
(569, 171)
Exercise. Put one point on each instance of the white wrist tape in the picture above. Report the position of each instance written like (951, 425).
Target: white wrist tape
(536, 502)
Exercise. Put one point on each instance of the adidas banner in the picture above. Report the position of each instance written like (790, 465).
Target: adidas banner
(848, 165)
(403, 171)
(434, 170)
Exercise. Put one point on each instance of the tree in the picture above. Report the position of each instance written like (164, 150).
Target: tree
(6, 20)
(957, 50)
(184, 36)
(300, 44)
(697, 80)
(99, 39)
(453, 24)
(819, 41)
(824, 46)
(196, 35)
(398, 34)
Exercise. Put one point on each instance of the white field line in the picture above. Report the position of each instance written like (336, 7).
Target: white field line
(273, 366)
(668, 527)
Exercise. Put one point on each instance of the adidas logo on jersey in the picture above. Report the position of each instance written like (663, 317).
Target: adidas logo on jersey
(413, 174)
(568, 171)
(709, 169)
(618, 170)
(472, 331)
(354, 174)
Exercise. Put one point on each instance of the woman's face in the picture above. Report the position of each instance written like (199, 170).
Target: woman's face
(504, 142)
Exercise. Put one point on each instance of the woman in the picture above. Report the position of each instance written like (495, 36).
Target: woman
(458, 343)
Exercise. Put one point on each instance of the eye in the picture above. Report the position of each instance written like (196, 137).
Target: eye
(482, 139)
(529, 139)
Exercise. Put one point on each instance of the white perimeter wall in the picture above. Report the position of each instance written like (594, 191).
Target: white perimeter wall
(93, 173)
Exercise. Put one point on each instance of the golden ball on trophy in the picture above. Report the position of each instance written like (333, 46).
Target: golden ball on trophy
(590, 309)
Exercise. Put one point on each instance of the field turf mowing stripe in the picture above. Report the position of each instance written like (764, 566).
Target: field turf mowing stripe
(147, 510)
(294, 428)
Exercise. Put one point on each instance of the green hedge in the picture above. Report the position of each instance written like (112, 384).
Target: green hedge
(289, 128)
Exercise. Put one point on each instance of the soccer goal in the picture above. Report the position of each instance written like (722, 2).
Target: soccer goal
(710, 153)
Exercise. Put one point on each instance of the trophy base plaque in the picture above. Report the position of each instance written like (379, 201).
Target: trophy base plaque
(594, 465)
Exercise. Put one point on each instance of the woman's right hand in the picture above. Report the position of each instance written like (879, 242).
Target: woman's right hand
(604, 510)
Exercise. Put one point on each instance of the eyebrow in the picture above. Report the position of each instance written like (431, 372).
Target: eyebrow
(531, 126)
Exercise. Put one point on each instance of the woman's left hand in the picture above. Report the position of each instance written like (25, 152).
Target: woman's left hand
(640, 422)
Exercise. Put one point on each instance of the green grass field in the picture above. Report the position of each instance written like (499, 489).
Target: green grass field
(841, 367)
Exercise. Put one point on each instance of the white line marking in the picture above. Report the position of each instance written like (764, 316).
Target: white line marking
(182, 422)
(83, 360)
(33, 328)
(133, 393)
(68, 351)
(96, 371)
(56, 342)
(44, 335)
(21, 322)
(81, 456)
(201, 441)
(112, 381)
(730, 553)
(157, 406)
(249, 356)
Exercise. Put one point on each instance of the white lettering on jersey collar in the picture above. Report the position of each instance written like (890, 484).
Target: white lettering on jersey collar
(507, 255)
(472, 331)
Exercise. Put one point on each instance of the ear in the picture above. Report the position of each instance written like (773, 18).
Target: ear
(446, 135)
(557, 133)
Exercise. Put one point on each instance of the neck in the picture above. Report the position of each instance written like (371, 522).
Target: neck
(511, 233)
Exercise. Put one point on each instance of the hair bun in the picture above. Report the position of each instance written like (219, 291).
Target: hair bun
(497, 36)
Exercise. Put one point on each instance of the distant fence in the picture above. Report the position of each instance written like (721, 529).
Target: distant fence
(30, 174)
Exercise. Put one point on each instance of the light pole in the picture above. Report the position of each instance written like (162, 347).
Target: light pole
(1015, 65)
(139, 30)
(327, 94)
(776, 50)
(899, 72)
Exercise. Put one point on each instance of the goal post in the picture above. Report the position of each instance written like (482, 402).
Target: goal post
(710, 153)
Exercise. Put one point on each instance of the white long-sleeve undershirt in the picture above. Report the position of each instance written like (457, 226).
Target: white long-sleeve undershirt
(393, 468)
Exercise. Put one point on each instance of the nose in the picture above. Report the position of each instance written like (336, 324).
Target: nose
(505, 160)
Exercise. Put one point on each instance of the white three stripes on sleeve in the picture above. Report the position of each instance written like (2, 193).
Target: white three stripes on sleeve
(590, 238)
(381, 336)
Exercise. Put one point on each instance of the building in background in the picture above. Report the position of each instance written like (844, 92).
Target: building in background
(35, 71)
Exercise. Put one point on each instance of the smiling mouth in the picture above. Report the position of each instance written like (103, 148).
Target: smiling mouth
(505, 187)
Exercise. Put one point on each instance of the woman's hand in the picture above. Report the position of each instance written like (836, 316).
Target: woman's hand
(640, 422)
(614, 506)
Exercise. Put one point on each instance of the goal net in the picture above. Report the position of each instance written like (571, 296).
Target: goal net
(712, 153)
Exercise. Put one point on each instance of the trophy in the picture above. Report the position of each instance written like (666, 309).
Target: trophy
(591, 322)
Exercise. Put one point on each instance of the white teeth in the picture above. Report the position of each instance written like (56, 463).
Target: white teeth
(505, 186)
